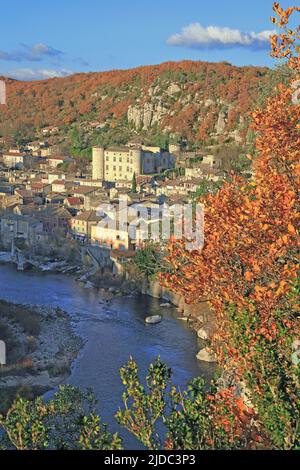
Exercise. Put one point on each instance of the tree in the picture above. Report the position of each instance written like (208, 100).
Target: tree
(249, 270)
(249, 266)
(67, 421)
(149, 259)
(133, 188)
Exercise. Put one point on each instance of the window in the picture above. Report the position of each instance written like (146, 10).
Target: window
(115, 159)
(114, 168)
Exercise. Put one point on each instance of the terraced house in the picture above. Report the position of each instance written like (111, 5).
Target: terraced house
(82, 225)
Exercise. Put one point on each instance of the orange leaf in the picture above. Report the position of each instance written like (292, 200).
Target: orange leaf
(292, 229)
(249, 276)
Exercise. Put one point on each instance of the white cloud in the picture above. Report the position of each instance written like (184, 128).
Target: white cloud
(37, 74)
(34, 53)
(213, 37)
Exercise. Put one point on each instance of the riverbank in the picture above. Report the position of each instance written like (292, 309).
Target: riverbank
(112, 332)
(44, 264)
(41, 346)
(199, 317)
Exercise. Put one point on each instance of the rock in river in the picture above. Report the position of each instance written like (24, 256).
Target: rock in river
(206, 355)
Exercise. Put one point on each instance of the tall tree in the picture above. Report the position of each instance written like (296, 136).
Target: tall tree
(134, 188)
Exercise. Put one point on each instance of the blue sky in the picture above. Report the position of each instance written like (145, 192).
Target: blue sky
(55, 38)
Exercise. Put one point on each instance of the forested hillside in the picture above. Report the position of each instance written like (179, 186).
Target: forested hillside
(197, 101)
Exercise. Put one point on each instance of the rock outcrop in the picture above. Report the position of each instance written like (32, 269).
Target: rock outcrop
(146, 116)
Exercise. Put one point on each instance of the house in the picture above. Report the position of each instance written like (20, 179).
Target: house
(15, 226)
(82, 191)
(55, 198)
(123, 184)
(55, 176)
(55, 219)
(74, 203)
(213, 161)
(82, 224)
(93, 202)
(40, 188)
(25, 196)
(16, 160)
(68, 185)
(49, 130)
(45, 152)
(55, 161)
(144, 182)
(89, 182)
(125, 228)
(120, 259)
(111, 237)
(7, 200)
(42, 164)
(58, 186)
(168, 188)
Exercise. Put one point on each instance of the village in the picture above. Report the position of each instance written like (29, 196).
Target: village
(49, 210)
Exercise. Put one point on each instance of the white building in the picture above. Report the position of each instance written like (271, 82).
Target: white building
(16, 160)
(121, 163)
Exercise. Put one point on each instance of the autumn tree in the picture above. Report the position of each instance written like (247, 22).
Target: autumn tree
(249, 266)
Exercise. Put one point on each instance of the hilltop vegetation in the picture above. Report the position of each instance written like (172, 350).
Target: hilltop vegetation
(196, 101)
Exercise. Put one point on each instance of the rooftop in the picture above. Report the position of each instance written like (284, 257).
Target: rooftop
(88, 216)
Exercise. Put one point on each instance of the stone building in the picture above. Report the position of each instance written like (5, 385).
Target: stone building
(82, 224)
(16, 160)
(120, 163)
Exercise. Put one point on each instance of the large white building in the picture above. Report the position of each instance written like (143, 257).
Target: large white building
(16, 159)
(120, 163)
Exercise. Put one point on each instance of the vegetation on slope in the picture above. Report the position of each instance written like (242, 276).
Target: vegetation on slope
(196, 101)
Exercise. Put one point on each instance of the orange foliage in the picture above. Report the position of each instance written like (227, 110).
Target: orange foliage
(59, 101)
(250, 257)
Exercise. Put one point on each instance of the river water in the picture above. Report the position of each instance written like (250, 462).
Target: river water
(111, 332)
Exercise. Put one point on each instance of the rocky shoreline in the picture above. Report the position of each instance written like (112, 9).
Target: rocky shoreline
(41, 346)
(199, 317)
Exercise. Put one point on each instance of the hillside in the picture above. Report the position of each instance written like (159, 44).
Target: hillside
(197, 101)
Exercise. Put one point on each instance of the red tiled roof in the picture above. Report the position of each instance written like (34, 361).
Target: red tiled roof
(39, 185)
(74, 201)
(59, 182)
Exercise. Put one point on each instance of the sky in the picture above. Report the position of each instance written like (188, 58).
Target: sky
(56, 38)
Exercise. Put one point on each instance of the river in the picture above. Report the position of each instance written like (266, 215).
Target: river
(111, 332)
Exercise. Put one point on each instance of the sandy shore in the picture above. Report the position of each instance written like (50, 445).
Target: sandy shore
(41, 346)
